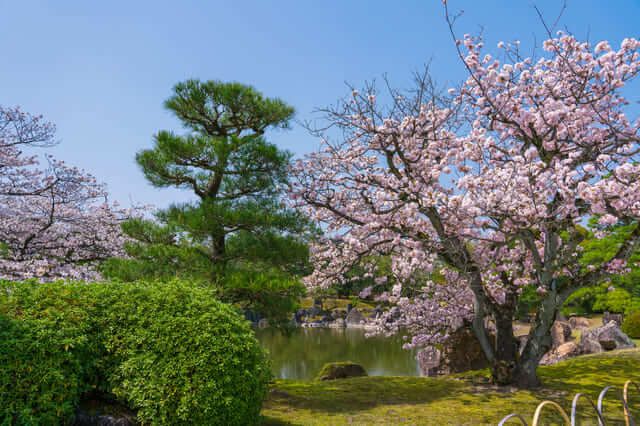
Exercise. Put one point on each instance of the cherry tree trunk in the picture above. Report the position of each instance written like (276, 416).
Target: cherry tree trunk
(506, 350)
(511, 366)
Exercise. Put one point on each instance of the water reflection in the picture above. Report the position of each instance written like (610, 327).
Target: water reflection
(302, 354)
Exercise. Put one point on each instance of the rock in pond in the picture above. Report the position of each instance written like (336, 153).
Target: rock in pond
(354, 317)
(341, 370)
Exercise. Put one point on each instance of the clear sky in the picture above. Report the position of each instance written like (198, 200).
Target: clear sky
(100, 70)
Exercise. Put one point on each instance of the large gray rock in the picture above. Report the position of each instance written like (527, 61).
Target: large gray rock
(579, 323)
(462, 352)
(354, 317)
(608, 317)
(428, 361)
(562, 352)
(338, 314)
(338, 323)
(560, 333)
(102, 410)
(83, 419)
(609, 337)
(589, 345)
(314, 311)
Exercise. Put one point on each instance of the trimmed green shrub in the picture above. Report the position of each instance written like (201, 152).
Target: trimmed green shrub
(46, 358)
(631, 325)
(182, 357)
(171, 351)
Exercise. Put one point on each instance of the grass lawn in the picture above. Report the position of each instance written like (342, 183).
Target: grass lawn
(463, 399)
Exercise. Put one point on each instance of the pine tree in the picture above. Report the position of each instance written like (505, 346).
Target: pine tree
(237, 234)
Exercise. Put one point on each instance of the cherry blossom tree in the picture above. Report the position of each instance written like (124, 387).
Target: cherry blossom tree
(483, 190)
(55, 222)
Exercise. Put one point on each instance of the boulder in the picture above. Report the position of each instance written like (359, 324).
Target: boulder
(354, 317)
(83, 419)
(338, 314)
(428, 361)
(579, 323)
(376, 313)
(589, 345)
(560, 333)
(252, 316)
(317, 302)
(608, 317)
(341, 370)
(461, 352)
(562, 352)
(314, 311)
(608, 336)
(97, 409)
(299, 315)
(338, 323)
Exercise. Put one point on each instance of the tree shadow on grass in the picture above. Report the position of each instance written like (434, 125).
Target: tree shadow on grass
(360, 393)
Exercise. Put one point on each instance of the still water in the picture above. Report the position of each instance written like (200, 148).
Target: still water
(302, 354)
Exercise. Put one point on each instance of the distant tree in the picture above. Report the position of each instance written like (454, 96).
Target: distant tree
(238, 226)
(55, 222)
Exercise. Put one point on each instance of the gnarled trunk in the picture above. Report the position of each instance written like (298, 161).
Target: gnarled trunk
(509, 365)
(506, 359)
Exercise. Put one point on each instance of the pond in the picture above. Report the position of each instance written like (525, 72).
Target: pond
(302, 354)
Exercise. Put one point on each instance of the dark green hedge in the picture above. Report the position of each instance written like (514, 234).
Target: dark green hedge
(171, 351)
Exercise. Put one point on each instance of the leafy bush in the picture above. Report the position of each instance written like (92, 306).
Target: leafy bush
(46, 358)
(182, 357)
(631, 325)
(171, 351)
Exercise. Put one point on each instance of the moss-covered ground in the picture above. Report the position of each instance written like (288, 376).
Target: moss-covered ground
(464, 399)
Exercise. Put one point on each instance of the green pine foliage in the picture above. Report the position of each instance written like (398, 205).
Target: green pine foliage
(238, 224)
(170, 351)
(619, 293)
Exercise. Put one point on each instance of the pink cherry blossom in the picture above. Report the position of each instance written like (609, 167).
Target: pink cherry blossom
(488, 187)
(55, 221)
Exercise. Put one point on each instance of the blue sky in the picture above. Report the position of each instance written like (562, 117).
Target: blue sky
(101, 70)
